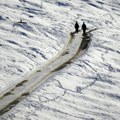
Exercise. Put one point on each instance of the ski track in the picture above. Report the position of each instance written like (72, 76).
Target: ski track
(14, 95)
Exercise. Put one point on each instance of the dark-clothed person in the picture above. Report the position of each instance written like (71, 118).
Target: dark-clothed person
(84, 28)
(76, 27)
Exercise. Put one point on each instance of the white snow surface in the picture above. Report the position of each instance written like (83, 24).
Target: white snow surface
(86, 89)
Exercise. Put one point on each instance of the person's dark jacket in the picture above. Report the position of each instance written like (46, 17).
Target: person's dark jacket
(76, 26)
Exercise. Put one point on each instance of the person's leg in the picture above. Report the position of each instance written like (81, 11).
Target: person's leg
(76, 29)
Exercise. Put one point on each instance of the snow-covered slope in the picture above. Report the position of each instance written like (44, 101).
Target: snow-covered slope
(23, 46)
(86, 89)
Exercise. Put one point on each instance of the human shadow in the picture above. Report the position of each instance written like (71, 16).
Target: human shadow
(85, 41)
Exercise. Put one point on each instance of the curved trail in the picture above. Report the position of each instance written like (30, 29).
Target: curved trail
(39, 68)
(71, 50)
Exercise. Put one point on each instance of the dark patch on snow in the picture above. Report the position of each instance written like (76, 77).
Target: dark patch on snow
(27, 54)
(7, 108)
(108, 81)
(78, 89)
(118, 70)
(87, 63)
(65, 53)
(118, 52)
(18, 6)
(104, 47)
(102, 78)
(86, 0)
(21, 83)
(112, 69)
(1, 18)
(23, 25)
(80, 65)
(85, 41)
(100, 2)
(19, 70)
(70, 73)
(43, 55)
(59, 68)
(38, 70)
(89, 119)
(114, 96)
(12, 42)
(62, 4)
(24, 34)
(35, 50)
(30, 16)
(38, 52)
(7, 17)
(32, 10)
(94, 5)
(25, 94)
(6, 94)
(22, 0)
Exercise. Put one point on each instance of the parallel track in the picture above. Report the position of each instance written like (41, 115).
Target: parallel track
(71, 50)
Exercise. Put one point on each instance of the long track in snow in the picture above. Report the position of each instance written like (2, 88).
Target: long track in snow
(71, 50)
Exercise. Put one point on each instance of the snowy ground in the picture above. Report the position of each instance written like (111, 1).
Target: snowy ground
(86, 89)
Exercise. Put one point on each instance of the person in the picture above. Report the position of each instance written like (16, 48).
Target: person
(84, 28)
(76, 27)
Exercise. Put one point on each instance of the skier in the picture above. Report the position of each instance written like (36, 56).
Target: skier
(84, 28)
(76, 27)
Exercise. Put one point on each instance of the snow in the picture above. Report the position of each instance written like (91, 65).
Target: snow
(86, 89)
(32, 81)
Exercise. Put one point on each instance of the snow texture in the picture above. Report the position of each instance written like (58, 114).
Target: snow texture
(86, 89)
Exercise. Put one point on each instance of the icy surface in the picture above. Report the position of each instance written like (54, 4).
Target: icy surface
(86, 89)
(27, 45)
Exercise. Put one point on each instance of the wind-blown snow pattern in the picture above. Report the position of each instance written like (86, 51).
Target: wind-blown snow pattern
(86, 89)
